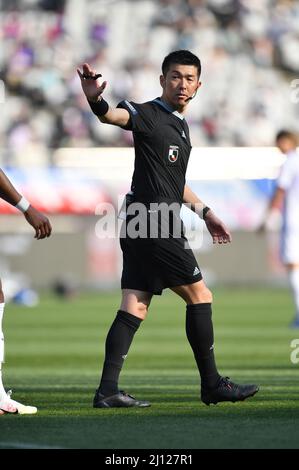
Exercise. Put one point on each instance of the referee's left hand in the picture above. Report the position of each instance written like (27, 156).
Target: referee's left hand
(91, 86)
(217, 229)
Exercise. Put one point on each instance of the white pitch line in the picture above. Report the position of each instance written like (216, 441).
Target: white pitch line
(24, 445)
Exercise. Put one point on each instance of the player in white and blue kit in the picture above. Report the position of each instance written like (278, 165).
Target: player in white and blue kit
(43, 229)
(286, 197)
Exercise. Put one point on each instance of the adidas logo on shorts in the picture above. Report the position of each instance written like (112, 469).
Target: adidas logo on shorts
(196, 271)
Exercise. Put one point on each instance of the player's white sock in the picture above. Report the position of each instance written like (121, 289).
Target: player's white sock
(2, 391)
(294, 281)
(7, 404)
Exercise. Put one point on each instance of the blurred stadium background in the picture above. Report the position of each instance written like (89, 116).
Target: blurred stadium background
(55, 151)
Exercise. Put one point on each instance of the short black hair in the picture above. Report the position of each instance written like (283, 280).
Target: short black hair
(182, 57)
(284, 134)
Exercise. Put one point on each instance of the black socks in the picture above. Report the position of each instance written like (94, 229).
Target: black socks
(117, 345)
(199, 329)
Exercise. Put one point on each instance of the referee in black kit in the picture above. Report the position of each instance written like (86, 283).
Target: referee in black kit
(160, 257)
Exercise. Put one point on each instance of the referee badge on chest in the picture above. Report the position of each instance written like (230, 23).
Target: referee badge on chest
(173, 153)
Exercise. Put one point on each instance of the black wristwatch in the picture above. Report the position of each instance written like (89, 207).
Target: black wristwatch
(205, 210)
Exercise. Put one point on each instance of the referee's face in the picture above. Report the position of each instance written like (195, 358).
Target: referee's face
(179, 85)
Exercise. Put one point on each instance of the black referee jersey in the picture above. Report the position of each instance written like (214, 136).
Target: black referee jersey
(162, 149)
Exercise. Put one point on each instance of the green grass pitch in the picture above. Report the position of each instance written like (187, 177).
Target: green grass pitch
(54, 354)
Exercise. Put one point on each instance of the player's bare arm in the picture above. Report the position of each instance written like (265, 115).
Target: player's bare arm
(273, 211)
(39, 221)
(277, 199)
(8, 191)
(219, 232)
(93, 90)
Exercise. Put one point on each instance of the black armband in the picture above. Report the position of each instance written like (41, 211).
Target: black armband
(99, 108)
(205, 210)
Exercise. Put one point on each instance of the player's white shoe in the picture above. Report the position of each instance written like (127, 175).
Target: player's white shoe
(8, 405)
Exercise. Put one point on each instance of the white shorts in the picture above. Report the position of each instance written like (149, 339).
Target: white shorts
(289, 247)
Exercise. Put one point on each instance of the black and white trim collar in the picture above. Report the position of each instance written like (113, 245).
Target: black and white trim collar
(168, 108)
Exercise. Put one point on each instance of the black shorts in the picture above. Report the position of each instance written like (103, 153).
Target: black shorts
(154, 264)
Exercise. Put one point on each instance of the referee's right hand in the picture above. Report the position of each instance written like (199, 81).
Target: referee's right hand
(91, 86)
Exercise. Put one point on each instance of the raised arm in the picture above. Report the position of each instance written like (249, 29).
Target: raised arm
(93, 90)
(217, 229)
(35, 218)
